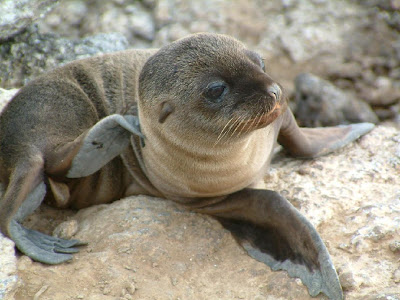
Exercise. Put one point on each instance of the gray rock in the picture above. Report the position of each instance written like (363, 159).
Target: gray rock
(30, 53)
(17, 15)
(394, 246)
(320, 103)
(8, 261)
(5, 96)
(8, 269)
(133, 19)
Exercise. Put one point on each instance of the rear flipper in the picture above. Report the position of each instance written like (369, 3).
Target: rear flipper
(314, 142)
(82, 157)
(275, 233)
(24, 194)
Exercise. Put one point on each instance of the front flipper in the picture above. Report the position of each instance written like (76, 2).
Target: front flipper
(275, 233)
(105, 140)
(314, 142)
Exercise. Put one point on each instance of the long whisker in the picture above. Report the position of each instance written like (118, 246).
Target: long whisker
(223, 131)
(259, 120)
(253, 122)
(237, 125)
(232, 126)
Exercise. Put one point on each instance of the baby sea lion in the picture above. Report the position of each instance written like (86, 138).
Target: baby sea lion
(195, 122)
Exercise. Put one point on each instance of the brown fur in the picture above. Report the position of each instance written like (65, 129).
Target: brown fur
(224, 154)
(60, 106)
(210, 117)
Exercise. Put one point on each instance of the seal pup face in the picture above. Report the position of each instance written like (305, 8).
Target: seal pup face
(209, 83)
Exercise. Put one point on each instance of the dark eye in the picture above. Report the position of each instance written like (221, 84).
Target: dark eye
(215, 91)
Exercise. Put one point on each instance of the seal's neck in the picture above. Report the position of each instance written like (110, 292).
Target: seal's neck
(183, 164)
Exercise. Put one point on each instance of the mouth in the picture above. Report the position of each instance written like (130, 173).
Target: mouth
(264, 119)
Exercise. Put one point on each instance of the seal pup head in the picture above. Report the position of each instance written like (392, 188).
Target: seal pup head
(210, 84)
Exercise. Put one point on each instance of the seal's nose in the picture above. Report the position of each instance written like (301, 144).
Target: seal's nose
(274, 91)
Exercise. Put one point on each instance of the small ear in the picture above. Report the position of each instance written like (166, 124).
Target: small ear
(256, 58)
(105, 140)
(166, 109)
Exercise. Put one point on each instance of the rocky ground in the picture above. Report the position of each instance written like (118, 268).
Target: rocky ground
(147, 248)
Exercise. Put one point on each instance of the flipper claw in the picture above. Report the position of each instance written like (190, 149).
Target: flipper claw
(41, 247)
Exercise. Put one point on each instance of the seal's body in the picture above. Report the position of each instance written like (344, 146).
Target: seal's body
(194, 122)
(45, 118)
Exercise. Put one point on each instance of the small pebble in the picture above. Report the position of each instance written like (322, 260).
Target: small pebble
(130, 288)
(396, 276)
(24, 263)
(347, 281)
(174, 281)
(106, 290)
(394, 246)
(66, 230)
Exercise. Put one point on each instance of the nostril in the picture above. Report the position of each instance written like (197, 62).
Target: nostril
(274, 91)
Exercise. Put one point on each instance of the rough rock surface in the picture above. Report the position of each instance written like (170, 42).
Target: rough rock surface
(17, 15)
(28, 54)
(8, 268)
(149, 248)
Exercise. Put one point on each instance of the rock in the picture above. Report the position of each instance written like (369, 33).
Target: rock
(132, 19)
(8, 269)
(30, 53)
(381, 93)
(5, 96)
(347, 281)
(301, 30)
(383, 296)
(320, 103)
(396, 276)
(291, 28)
(17, 15)
(145, 247)
(395, 246)
(66, 230)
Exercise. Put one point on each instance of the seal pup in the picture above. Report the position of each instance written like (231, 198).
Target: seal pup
(195, 122)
